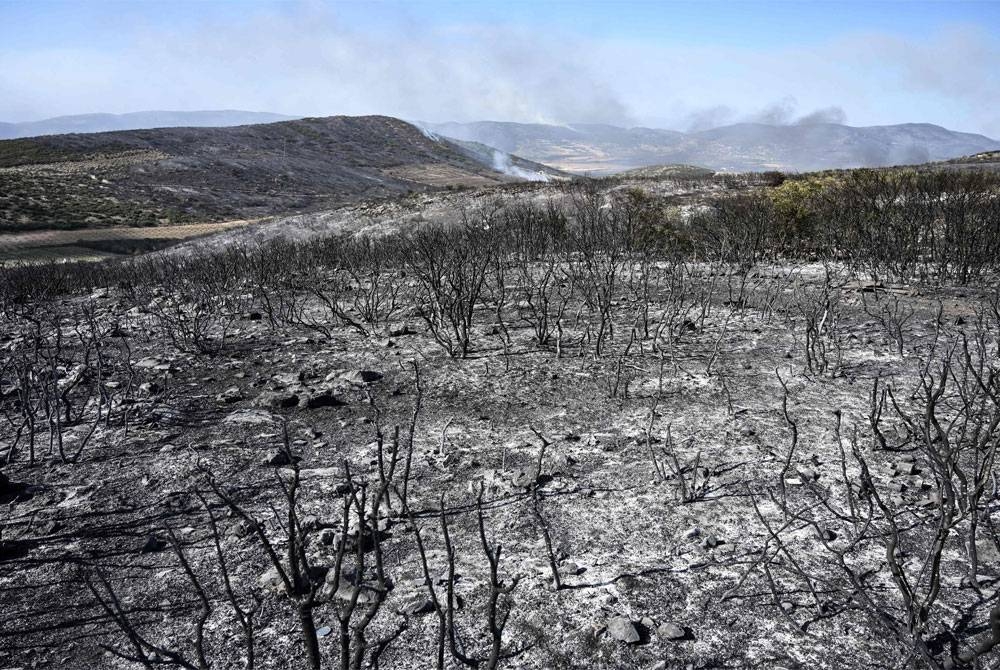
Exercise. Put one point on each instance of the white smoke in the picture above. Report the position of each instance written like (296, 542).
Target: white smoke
(502, 163)
(428, 133)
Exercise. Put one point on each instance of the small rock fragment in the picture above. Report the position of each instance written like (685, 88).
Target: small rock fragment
(670, 630)
(622, 629)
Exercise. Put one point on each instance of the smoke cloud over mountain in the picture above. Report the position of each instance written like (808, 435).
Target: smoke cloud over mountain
(307, 59)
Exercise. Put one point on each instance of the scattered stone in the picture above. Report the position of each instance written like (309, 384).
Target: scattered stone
(692, 533)
(276, 400)
(366, 594)
(320, 399)
(271, 580)
(230, 395)
(149, 389)
(251, 417)
(670, 630)
(622, 629)
(361, 376)
(807, 474)
(710, 542)
(524, 478)
(277, 458)
(417, 604)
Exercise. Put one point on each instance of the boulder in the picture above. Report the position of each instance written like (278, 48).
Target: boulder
(276, 400)
(360, 376)
(670, 630)
(622, 629)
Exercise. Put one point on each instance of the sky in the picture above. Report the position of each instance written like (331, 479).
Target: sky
(680, 65)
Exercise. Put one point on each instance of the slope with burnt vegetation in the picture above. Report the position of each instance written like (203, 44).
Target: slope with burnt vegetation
(180, 175)
(573, 426)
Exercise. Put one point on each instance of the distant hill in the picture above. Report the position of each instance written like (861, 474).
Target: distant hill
(178, 175)
(668, 172)
(602, 149)
(987, 160)
(100, 123)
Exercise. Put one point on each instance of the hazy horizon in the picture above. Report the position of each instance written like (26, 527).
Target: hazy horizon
(682, 66)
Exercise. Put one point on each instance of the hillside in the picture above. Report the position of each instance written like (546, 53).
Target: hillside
(177, 175)
(602, 149)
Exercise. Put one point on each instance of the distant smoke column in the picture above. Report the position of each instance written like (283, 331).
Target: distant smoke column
(502, 163)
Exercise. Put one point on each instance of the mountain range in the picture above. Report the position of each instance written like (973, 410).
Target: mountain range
(604, 149)
(101, 123)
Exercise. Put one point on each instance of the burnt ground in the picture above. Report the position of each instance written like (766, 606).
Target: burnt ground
(685, 575)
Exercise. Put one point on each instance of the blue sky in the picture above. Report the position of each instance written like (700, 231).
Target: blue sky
(672, 64)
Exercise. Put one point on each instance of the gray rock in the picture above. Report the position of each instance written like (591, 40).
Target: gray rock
(276, 400)
(277, 458)
(361, 376)
(230, 395)
(149, 389)
(622, 629)
(323, 398)
(416, 605)
(366, 594)
(670, 630)
(271, 580)
(524, 478)
(254, 417)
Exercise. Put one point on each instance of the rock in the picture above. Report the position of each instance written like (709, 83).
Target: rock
(417, 604)
(230, 395)
(149, 363)
(153, 544)
(524, 478)
(271, 580)
(276, 400)
(277, 458)
(710, 542)
(254, 417)
(323, 631)
(322, 399)
(286, 379)
(401, 331)
(692, 533)
(807, 474)
(670, 630)
(366, 594)
(149, 389)
(360, 376)
(622, 629)
(562, 464)
(905, 468)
